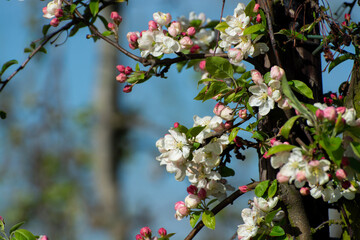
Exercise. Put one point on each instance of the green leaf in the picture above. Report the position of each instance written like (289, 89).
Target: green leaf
(45, 29)
(214, 89)
(182, 129)
(7, 65)
(194, 217)
(94, 7)
(302, 88)
(72, 8)
(272, 189)
(23, 234)
(257, 135)
(339, 60)
(28, 50)
(285, 130)
(253, 29)
(2, 114)
(194, 131)
(270, 216)
(356, 148)
(226, 171)
(219, 67)
(249, 9)
(43, 50)
(294, 102)
(261, 188)
(195, 23)
(107, 33)
(292, 34)
(222, 26)
(233, 133)
(208, 219)
(277, 231)
(280, 148)
(16, 226)
(137, 67)
(136, 77)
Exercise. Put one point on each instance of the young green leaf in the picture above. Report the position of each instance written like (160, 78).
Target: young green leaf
(226, 171)
(194, 217)
(339, 60)
(222, 26)
(219, 67)
(272, 189)
(233, 133)
(208, 219)
(285, 130)
(280, 148)
(16, 226)
(270, 216)
(94, 7)
(302, 88)
(277, 231)
(253, 29)
(23, 234)
(7, 65)
(261, 188)
(194, 131)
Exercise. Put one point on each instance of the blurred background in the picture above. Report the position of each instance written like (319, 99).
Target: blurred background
(77, 155)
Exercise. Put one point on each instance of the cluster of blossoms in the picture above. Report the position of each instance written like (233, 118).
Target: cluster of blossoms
(121, 78)
(254, 218)
(116, 20)
(265, 95)
(146, 234)
(53, 11)
(197, 155)
(192, 200)
(179, 36)
(234, 35)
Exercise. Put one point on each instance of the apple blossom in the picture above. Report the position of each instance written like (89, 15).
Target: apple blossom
(51, 8)
(304, 191)
(192, 201)
(127, 88)
(120, 68)
(128, 70)
(139, 237)
(256, 77)
(223, 111)
(243, 113)
(261, 99)
(276, 73)
(43, 237)
(186, 43)
(116, 18)
(319, 114)
(174, 29)
(145, 231)
(191, 31)
(59, 13)
(111, 26)
(256, 7)
(162, 18)
(202, 194)
(243, 189)
(330, 113)
(258, 18)
(340, 174)
(181, 210)
(316, 171)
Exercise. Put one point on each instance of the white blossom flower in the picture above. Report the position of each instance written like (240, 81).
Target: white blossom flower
(51, 8)
(316, 172)
(294, 165)
(261, 98)
(204, 37)
(249, 229)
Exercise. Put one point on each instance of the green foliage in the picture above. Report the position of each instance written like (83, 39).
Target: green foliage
(219, 67)
(7, 65)
(233, 133)
(194, 218)
(22, 234)
(94, 7)
(339, 60)
(280, 148)
(260, 189)
(226, 171)
(208, 219)
(272, 189)
(301, 88)
(286, 128)
(277, 231)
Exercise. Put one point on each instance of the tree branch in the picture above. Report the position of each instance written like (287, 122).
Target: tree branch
(219, 207)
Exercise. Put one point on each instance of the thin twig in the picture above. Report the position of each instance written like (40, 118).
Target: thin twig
(219, 207)
(36, 50)
(218, 35)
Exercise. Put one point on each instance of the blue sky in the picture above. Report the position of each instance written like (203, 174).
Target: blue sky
(160, 101)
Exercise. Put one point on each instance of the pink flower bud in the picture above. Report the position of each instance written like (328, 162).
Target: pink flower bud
(243, 189)
(228, 124)
(111, 26)
(44, 10)
(162, 232)
(218, 108)
(319, 114)
(344, 24)
(127, 88)
(223, 111)
(132, 37)
(116, 17)
(256, 77)
(282, 178)
(300, 176)
(242, 113)
(272, 141)
(256, 8)
(121, 78)
(55, 22)
(235, 55)
(59, 13)
(202, 194)
(176, 125)
(333, 95)
(191, 31)
(192, 201)
(195, 49)
(276, 73)
(120, 68)
(347, 17)
(304, 191)
(43, 237)
(258, 18)
(153, 25)
(132, 46)
(179, 204)
(128, 70)
(202, 64)
(174, 29)
(238, 142)
(266, 155)
(2, 220)
(340, 110)
(139, 237)
(341, 174)
(330, 113)
(145, 231)
(192, 189)
(186, 42)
